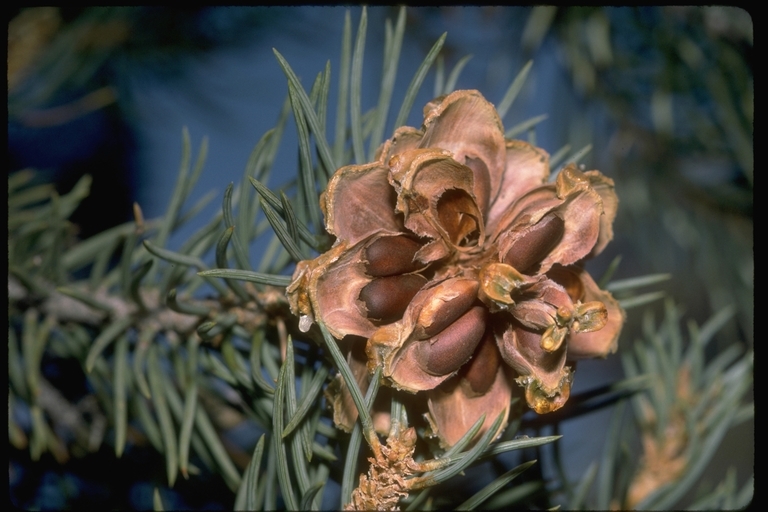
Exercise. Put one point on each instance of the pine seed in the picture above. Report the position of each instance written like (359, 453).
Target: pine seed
(386, 298)
(528, 250)
(391, 256)
(449, 350)
(438, 315)
(481, 370)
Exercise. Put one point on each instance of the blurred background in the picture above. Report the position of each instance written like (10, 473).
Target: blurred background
(664, 96)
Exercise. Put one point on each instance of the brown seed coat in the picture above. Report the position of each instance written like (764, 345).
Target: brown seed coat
(534, 245)
(449, 350)
(481, 370)
(390, 256)
(448, 311)
(386, 298)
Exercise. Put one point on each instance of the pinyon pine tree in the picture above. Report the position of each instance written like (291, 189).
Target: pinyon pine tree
(400, 323)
